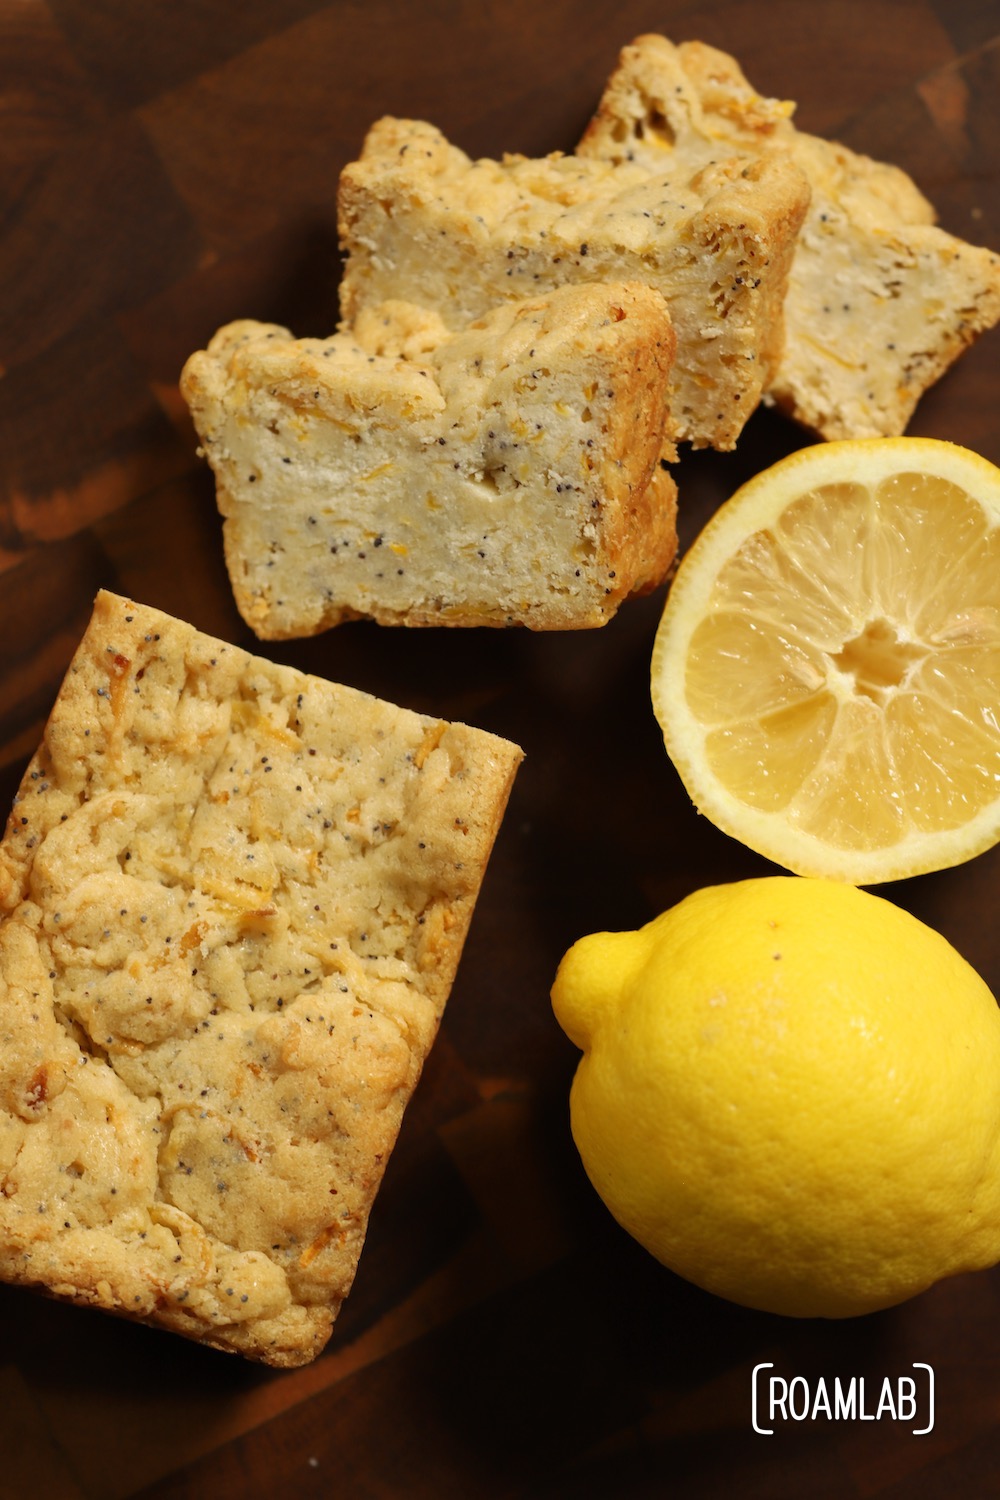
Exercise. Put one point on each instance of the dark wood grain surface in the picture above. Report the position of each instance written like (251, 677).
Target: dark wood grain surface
(165, 167)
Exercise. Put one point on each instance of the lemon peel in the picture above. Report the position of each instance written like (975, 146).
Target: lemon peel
(790, 1094)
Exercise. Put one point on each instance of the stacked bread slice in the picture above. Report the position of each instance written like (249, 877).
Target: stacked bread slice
(712, 234)
(880, 301)
(511, 473)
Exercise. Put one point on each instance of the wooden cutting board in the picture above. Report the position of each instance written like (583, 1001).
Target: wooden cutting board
(167, 167)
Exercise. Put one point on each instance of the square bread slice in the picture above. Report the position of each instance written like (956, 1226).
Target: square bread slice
(880, 300)
(233, 900)
(711, 232)
(514, 473)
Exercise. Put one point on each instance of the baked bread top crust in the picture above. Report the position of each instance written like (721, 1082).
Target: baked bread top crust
(233, 900)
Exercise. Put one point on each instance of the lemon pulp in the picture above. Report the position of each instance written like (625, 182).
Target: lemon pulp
(827, 673)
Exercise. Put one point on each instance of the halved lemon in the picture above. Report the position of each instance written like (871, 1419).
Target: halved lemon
(827, 670)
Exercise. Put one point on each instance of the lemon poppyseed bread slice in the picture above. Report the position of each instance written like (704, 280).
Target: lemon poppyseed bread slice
(880, 300)
(512, 473)
(714, 235)
(233, 900)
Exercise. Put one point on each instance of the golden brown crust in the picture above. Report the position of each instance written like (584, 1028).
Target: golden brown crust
(497, 475)
(234, 898)
(662, 98)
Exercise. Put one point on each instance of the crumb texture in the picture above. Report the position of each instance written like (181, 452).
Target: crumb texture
(234, 898)
(512, 472)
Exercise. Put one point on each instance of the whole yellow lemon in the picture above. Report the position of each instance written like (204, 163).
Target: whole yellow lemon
(790, 1094)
